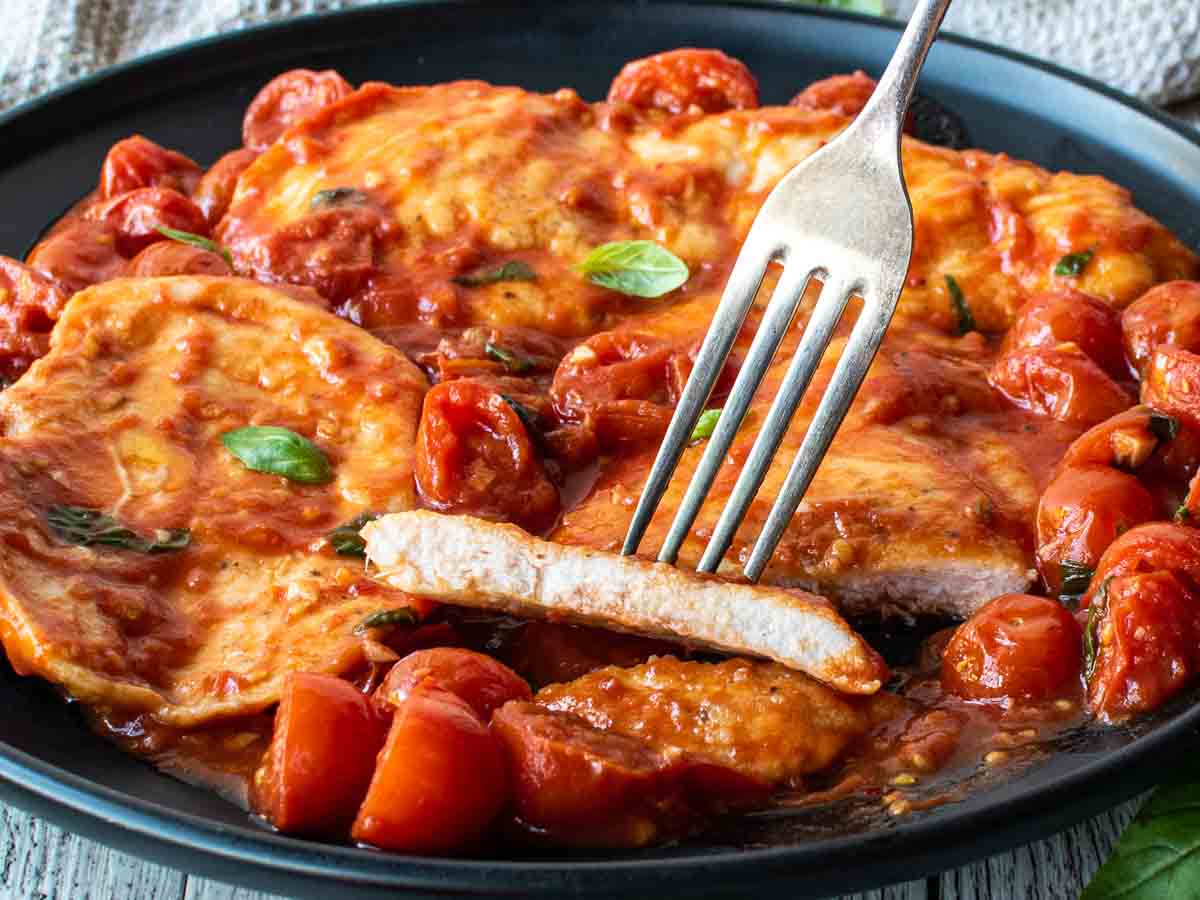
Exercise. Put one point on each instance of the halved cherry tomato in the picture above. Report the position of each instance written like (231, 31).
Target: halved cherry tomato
(484, 683)
(79, 255)
(441, 781)
(1171, 383)
(1084, 510)
(1070, 316)
(138, 162)
(30, 304)
(1062, 384)
(215, 190)
(175, 258)
(1145, 640)
(474, 455)
(137, 215)
(687, 78)
(1166, 314)
(322, 756)
(1016, 647)
(288, 99)
(845, 95)
(612, 365)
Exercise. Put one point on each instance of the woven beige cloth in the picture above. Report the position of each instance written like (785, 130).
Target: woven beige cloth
(1149, 48)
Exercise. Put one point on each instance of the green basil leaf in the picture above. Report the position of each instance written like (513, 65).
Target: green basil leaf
(196, 240)
(529, 419)
(279, 451)
(1073, 264)
(387, 618)
(706, 424)
(1091, 633)
(966, 321)
(514, 362)
(636, 268)
(346, 540)
(1183, 515)
(1075, 578)
(1163, 427)
(514, 270)
(338, 196)
(1158, 856)
(90, 527)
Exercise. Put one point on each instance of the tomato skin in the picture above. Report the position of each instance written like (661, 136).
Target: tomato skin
(1015, 647)
(137, 215)
(1146, 644)
(215, 189)
(1070, 316)
(1062, 384)
(440, 782)
(1084, 510)
(175, 258)
(79, 255)
(138, 162)
(288, 99)
(845, 95)
(1153, 547)
(321, 758)
(683, 79)
(1166, 314)
(554, 653)
(1171, 384)
(475, 456)
(484, 683)
(30, 304)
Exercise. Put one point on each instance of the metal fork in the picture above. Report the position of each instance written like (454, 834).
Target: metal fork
(843, 216)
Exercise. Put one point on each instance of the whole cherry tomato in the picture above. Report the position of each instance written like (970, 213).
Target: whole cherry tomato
(175, 258)
(1061, 384)
(288, 99)
(79, 255)
(484, 683)
(215, 189)
(1070, 316)
(137, 162)
(1171, 383)
(845, 95)
(137, 216)
(684, 79)
(1166, 314)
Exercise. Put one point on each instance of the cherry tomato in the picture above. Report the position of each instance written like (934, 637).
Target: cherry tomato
(137, 215)
(215, 190)
(1144, 637)
(1016, 647)
(475, 455)
(1070, 316)
(288, 99)
(1171, 384)
(79, 255)
(554, 653)
(30, 304)
(1153, 547)
(683, 79)
(1166, 314)
(321, 758)
(1061, 384)
(137, 162)
(1083, 511)
(845, 95)
(175, 258)
(484, 683)
(441, 781)
(1125, 440)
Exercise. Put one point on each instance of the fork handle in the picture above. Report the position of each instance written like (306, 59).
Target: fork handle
(885, 111)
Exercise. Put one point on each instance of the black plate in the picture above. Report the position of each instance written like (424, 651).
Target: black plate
(193, 99)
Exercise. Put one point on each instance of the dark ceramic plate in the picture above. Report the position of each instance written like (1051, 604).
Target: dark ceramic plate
(193, 99)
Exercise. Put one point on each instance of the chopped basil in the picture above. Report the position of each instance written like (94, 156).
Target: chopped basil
(514, 270)
(527, 416)
(516, 363)
(636, 268)
(346, 540)
(279, 451)
(1091, 634)
(706, 424)
(1073, 264)
(196, 240)
(1163, 427)
(338, 196)
(966, 321)
(1075, 578)
(1182, 514)
(90, 527)
(387, 618)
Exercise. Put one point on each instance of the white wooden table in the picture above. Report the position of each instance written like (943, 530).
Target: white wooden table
(41, 862)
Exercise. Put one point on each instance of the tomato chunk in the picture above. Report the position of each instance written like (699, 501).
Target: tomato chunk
(1171, 384)
(215, 190)
(322, 756)
(1016, 647)
(29, 306)
(441, 781)
(175, 258)
(845, 95)
(1070, 316)
(1062, 384)
(484, 683)
(475, 455)
(1144, 636)
(1083, 511)
(684, 79)
(79, 255)
(137, 215)
(288, 99)
(1166, 314)
(138, 162)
